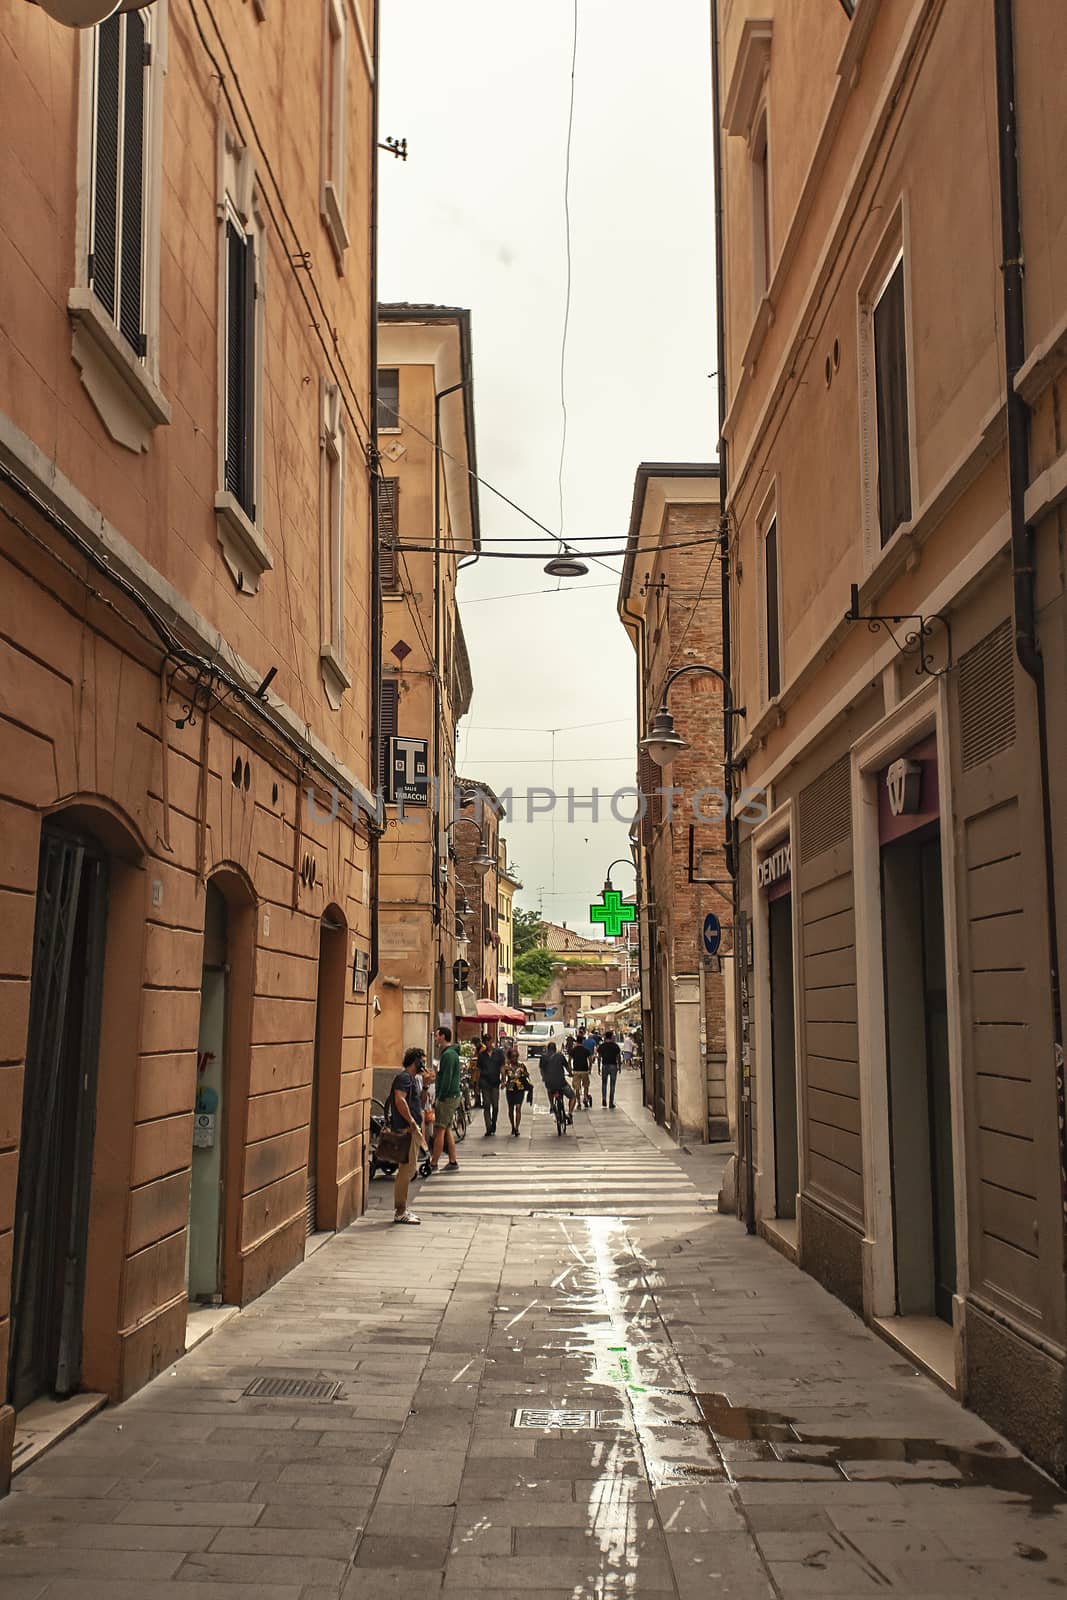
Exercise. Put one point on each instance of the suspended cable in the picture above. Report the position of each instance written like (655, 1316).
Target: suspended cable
(569, 260)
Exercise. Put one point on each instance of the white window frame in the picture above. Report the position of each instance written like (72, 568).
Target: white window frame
(759, 166)
(334, 125)
(398, 429)
(244, 547)
(768, 514)
(893, 249)
(123, 387)
(332, 490)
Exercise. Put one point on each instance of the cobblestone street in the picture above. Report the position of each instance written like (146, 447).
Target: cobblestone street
(539, 1396)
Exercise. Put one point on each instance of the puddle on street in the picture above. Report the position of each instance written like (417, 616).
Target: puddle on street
(777, 1435)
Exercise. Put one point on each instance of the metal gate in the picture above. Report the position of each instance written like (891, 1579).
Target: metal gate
(58, 1118)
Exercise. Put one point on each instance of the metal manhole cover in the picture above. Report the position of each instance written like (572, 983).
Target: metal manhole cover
(553, 1417)
(292, 1389)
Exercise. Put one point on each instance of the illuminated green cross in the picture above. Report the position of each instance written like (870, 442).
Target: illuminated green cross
(612, 913)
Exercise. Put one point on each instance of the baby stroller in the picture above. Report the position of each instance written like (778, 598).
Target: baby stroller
(377, 1123)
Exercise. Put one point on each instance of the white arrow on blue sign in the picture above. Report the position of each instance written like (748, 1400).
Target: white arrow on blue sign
(712, 934)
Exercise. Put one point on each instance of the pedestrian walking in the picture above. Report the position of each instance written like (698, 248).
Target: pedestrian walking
(476, 1069)
(489, 1077)
(448, 1098)
(405, 1117)
(517, 1088)
(610, 1060)
(627, 1047)
(579, 1062)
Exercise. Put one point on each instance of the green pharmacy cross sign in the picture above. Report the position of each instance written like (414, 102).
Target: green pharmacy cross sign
(612, 911)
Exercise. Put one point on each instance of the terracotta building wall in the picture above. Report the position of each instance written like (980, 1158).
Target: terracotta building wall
(181, 785)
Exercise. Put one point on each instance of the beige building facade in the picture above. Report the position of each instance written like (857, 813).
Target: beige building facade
(475, 847)
(428, 519)
(507, 885)
(895, 472)
(187, 592)
(670, 606)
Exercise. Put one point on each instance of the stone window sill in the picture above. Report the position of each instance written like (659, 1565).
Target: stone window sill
(129, 401)
(334, 676)
(243, 548)
(333, 220)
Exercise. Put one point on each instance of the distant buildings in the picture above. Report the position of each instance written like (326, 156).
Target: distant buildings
(670, 603)
(428, 520)
(507, 884)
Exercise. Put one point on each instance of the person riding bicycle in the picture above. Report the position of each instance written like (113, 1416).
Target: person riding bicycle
(554, 1072)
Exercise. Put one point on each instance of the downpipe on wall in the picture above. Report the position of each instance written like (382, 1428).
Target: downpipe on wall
(1023, 555)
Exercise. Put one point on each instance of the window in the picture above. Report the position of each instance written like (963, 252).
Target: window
(772, 617)
(891, 396)
(388, 400)
(389, 706)
(761, 211)
(388, 561)
(238, 503)
(113, 301)
(239, 389)
(334, 152)
(117, 208)
(332, 544)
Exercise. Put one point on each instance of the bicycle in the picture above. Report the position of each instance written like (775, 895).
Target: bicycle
(460, 1121)
(559, 1111)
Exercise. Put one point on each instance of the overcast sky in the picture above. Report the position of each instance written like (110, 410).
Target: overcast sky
(480, 90)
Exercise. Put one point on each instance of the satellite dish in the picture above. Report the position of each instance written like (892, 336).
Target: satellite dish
(79, 13)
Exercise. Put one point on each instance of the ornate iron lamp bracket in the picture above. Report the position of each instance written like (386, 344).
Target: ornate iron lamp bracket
(913, 641)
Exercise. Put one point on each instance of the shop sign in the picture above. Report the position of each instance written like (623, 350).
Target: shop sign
(409, 776)
(773, 868)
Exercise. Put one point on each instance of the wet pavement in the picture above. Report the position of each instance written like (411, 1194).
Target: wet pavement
(570, 1381)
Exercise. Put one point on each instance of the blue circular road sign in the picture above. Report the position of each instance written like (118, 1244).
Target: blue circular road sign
(712, 934)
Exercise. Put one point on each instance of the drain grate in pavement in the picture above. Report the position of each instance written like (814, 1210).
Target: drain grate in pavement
(553, 1417)
(292, 1389)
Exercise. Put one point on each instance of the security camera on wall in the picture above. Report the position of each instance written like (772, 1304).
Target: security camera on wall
(79, 13)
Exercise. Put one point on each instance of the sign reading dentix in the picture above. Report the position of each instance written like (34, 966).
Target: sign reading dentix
(775, 867)
(409, 774)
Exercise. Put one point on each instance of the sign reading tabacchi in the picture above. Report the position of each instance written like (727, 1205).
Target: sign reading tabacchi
(779, 864)
(408, 771)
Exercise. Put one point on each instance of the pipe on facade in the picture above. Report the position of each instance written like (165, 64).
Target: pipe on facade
(375, 833)
(744, 1106)
(1023, 572)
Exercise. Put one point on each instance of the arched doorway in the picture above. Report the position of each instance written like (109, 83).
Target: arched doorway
(51, 1232)
(325, 1104)
(207, 1177)
(220, 1107)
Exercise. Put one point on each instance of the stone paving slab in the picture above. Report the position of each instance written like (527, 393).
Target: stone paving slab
(744, 1435)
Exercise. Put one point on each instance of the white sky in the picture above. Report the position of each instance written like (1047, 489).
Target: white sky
(475, 218)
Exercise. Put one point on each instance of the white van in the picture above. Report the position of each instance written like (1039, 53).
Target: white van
(538, 1039)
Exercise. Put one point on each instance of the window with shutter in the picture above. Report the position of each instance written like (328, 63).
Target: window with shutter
(773, 621)
(240, 370)
(117, 247)
(389, 704)
(388, 563)
(891, 394)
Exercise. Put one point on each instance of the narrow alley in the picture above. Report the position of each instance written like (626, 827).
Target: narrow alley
(599, 1394)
